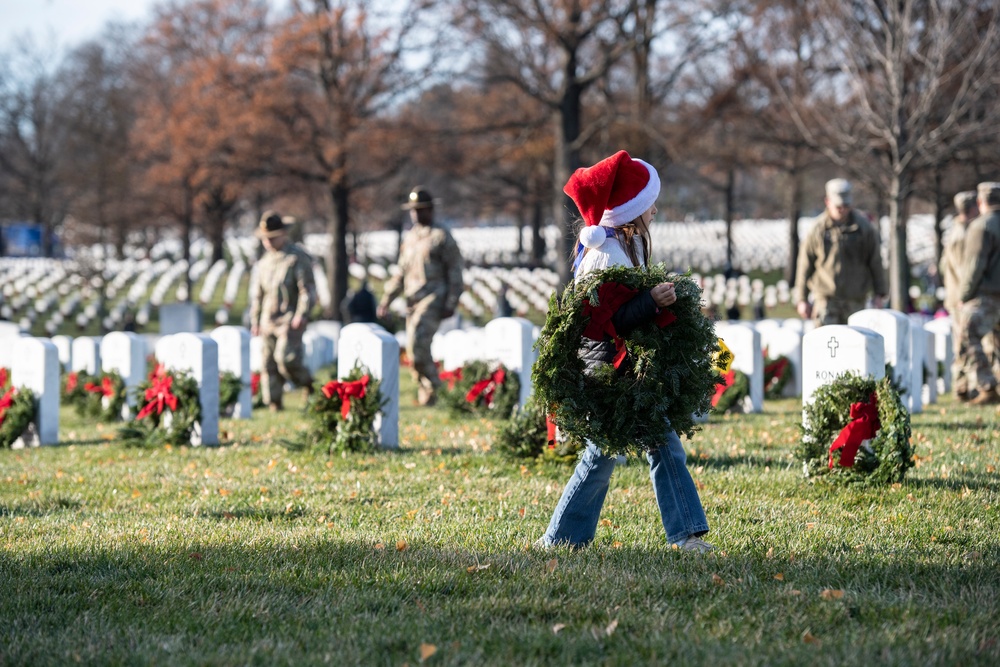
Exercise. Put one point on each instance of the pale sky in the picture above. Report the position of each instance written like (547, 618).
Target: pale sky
(65, 23)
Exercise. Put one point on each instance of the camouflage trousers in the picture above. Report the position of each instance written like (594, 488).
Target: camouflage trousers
(960, 381)
(421, 325)
(980, 319)
(282, 355)
(835, 311)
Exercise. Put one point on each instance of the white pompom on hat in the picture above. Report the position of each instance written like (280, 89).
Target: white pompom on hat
(612, 193)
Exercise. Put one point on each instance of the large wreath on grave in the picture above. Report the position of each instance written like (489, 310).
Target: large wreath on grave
(230, 386)
(343, 413)
(856, 430)
(17, 410)
(481, 388)
(528, 434)
(665, 370)
(731, 393)
(170, 410)
(100, 396)
(777, 374)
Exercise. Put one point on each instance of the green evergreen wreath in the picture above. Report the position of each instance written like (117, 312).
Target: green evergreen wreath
(18, 412)
(777, 373)
(668, 377)
(890, 453)
(91, 400)
(355, 432)
(732, 397)
(468, 382)
(230, 386)
(525, 436)
(157, 424)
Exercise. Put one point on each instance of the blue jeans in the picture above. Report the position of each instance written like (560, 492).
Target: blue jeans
(574, 521)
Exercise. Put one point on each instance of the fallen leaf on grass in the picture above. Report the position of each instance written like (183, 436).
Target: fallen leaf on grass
(196, 556)
(229, 516)
(409, 465)
(136, 493)
(427, 650)
(379, 546)
(832, 594)
(808, 638)
(795, 591)
(717, 580)
(401, 545)
(605, 522)
(617, 545)
(472, 569)
(224, 492)
(779, 576)
(770, 552)
(557, 627)
(550, 566)
(612, 626)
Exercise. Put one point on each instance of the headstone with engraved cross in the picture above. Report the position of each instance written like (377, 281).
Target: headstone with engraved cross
(829, 352)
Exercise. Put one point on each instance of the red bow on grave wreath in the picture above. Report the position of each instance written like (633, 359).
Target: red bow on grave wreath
(158, 372)
(775, 370)
(486, 387)
(550, 431)
(863, 426)
(106, 388)
(451, 377)
(4, 376)
(720, 389)
(159, 395)
(255, 384)
(346, 391)
(71, 381)
(6, 402)
(611, 297)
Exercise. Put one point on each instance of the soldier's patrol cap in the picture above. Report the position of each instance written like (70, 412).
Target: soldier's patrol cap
(419, 198)
(838, 192)
(989, 192)
(964, 200)
(271, 224)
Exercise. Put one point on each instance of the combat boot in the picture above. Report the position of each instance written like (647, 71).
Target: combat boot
(986, 397)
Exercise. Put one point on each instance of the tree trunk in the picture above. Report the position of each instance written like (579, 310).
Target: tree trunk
(336, 259)
(567, 161)
(794, 213)
(537, 240)
(730, 206)
(940, 206)
(899, 267)
(187, 224)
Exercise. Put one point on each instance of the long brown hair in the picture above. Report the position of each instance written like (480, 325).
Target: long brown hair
(626, 235)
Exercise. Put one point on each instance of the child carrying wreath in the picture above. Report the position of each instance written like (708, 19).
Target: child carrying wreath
(605, 366)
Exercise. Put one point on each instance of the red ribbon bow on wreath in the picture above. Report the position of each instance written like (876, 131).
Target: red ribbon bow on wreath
(71, 380)
(451, 377)
(159, 394)
(720, 389)
(611, 297)
(255, 384)
(106, 388)
(863, 426)
(774, 371)
(6, 402)
(486, 387)
(346, 391)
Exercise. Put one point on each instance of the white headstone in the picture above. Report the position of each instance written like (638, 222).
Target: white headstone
(373, 347)
(36, 367)
(508, 340)
(318, 350)
(830, 351)
(782, 342)
(125, 353)
(180, 318)
(894, 327)
(197, 354)
(234, 357)
(331, 330)
(748, 357)
(8, 329)
(460, 346)
(64, 345)
(943, 350)
(256, 354)
(87, 354)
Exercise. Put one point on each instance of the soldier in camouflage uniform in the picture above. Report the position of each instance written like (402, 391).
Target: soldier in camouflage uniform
(431, 280)
(839, 262)
(281, 299)
(980, 290)
(951, 273)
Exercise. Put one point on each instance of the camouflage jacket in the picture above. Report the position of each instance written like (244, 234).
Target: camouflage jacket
(840, 261)
(951, 264)
(981, 258)
(284, 287)
(430, 266)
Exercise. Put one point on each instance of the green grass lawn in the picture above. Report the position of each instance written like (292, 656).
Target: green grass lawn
(254, 553)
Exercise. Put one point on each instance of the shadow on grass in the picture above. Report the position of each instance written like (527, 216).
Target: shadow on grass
(40, 507)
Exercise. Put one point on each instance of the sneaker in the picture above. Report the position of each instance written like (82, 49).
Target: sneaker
(695, 544)
(986, 397)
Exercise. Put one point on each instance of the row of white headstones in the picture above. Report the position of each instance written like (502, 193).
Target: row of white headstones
(870, 340)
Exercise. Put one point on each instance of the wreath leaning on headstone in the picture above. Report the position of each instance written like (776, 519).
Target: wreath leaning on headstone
(664, 373)
(479, 387)
(343, 413)
(856, 430)
(99, 397)
(529, 435)
(230, 386)
(777, 374)
(170, 412)
(17, 411)
(731, 394)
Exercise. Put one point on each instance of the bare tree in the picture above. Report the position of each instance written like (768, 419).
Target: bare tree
(905, 85)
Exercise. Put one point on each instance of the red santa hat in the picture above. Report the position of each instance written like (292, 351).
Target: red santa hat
(612, 193)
